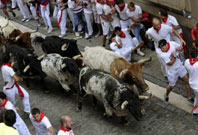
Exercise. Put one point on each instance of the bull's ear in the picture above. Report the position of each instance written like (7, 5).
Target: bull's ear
(64, 47)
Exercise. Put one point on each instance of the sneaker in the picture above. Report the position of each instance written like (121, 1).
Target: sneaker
(46, 28)
(97, 35)
(191, 100)
(24, 19)
(86, 35)
(166, 99)
(140, 53)
(49, 30)
(61, 36)
(27, 20)
(77, 34)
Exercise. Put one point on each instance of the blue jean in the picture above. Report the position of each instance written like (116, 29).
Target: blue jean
(136, 32)
(78, 17)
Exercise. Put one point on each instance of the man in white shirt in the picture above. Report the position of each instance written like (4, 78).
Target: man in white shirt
(192, 68)
(172, 21)
(41, 123)
(134, 12)
(66, 126)
(161, 31)
(174, 67)
(127, 41)
(11, 87)
(19, 124)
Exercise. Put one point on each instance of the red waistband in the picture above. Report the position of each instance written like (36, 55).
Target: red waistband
(77, 9)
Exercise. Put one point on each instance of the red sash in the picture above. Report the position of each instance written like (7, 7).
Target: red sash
(4, 103)
(157, 30)
(165, 19)
(193, 61)
(122, 35)
(59, 21)
(65, 130)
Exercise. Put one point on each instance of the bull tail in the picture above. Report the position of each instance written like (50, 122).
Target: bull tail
(38, 39)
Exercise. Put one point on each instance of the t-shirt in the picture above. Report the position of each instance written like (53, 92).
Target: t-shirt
(193, 73)
(61, 132)
(77, 9)
(42, 126)
(107, 9)
(122, 12)
(87, 7)
(8, 73)
(163, 33)
(100, 11)
(135, 14)
(167, 56)
(6, 130)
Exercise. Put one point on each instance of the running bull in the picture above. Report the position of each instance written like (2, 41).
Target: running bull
(117, 98)
(14, 35)
(100, 58)
(63, 69)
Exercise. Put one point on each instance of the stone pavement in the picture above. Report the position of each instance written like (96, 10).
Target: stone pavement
(159, 119)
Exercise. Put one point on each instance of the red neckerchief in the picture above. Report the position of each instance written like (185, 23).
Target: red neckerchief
(168, 44)
(157, 30)
(65, 130)
(164, 20)
(122, 35)
(6, 64)
(41, 117)
(122, 8)
(4, 103)
(193, 61)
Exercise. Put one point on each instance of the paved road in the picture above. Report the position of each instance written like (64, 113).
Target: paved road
(159, 119)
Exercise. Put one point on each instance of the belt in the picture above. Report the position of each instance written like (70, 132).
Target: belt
(21, 94)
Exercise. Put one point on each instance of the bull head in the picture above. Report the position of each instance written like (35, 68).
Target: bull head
(64, 47)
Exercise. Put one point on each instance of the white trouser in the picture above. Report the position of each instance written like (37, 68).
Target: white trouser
(195, 100)
(45, 13)
(10, 93)
(62, 20)
(23, 9)
(55, 12)
(34, 11)
(125, 24)
(21, 127)
(89, 20)
(96, 17)
(71, 17)
(14, 3)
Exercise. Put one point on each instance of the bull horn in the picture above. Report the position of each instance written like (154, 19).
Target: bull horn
(142, 61)
(64, 47)
(34, 31)
(138, 46)
(41, 57)
(124, 105)
(6, 24)
(76, 57)
(122, 73)
(143, 97)
(26, 68)
(17, 38)
(63, 66)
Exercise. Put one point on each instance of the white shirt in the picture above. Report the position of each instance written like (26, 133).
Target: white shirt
(167, 56)
(8, 73)
(94, 5)
(100, 11)
(172, 21)
(164, 33)
(61, 132)
(135, 14)
(107, 9)
(123, 15)
(193, 74)
(41, 127)
(87, 9)
(77, 9)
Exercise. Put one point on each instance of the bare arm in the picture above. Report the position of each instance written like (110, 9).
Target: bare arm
(176, 27)
(173, 59)
(131, 27)
(17, 78)
(51, 130)
(177, 34)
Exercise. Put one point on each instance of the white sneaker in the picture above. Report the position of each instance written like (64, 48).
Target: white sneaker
(61, 36)
(27, 20)
(49, 30)
(97, 35)
(39, 24)
(86, 35)
(46, 28)
(140, 53)
(24, 19)
(77, 34)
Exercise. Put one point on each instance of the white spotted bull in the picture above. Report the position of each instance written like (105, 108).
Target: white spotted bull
(117, 98)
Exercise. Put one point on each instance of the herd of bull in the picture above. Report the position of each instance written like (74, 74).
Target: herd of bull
(108, 77)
